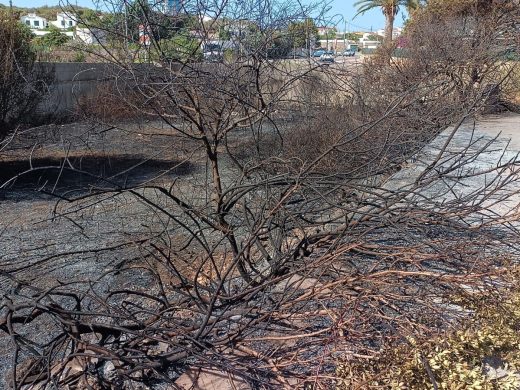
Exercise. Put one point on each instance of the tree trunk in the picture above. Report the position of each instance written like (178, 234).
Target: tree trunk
(389, 28)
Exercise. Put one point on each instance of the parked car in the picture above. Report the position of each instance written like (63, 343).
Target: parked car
(318, 53)
(348, 53)
(213, 52)
(212, 56)
(327, 58)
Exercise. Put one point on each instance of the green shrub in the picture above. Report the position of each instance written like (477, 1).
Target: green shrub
(180, 48)
(457, 360)
(55, 38)
(21, 86)
(79, 56)
(229, 55)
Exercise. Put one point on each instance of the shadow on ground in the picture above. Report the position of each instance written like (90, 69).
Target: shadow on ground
(79, 175)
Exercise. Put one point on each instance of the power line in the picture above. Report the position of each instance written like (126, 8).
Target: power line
(362, 28)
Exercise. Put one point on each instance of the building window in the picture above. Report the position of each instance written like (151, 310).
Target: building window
(36, 23)
(28, 22)
(70, 23)
(63, 23)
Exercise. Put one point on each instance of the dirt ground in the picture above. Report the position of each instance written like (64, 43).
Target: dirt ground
(40, 229)
(66, 241)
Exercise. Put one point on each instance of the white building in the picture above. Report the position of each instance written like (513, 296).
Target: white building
(34, 21)
(397, 32)
(64, 21)
(90, 36)
(367, 43)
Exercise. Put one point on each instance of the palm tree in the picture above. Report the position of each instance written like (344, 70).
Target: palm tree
(390, 9)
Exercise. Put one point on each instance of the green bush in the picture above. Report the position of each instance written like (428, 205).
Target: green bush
(21, 87)
(180, 48)
(79, 56)
(229, 55)
(55, 38)
(457, 360)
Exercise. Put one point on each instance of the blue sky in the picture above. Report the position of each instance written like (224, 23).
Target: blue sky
(371, 20)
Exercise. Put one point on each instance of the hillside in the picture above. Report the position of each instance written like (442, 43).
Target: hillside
(48, 12)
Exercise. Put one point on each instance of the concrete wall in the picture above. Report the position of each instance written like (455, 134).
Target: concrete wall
(71, 82)
(75, 80)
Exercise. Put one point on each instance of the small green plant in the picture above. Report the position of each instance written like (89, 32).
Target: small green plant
(458, 360)
(353, 36)
(302, 33)
(229, 55)
(375, 37)
(79, 56)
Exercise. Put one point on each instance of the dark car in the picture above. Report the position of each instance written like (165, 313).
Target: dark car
(213, 53)
(318, 53)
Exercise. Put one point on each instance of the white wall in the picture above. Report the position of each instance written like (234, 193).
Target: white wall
(90, 36)
(34, 21)
(64, 21)
(45, 32)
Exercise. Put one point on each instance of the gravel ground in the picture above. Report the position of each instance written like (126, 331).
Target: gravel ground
(65, 239)
(68, 242)
(77, 241)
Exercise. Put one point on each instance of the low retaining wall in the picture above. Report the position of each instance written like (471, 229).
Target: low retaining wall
(71, 81)
(75, 80)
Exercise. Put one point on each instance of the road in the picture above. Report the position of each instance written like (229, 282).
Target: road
(477, 164)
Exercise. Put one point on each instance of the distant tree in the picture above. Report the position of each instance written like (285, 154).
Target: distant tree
(179, 48)
(301, 33)
(125, 25)
(390, 9)
(88, 18)
(375, 37)
(331, 33)
(224, 33)
(280, 46)
(353, 36)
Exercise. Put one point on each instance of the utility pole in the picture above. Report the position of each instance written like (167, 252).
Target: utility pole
(126, 26)
(345, 35)
(307, 38)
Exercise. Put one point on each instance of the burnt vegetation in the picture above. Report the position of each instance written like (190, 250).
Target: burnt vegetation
(300, 237)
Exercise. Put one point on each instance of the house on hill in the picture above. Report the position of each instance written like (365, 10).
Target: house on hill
(64, 21)
(397, 32)
(34, 21)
